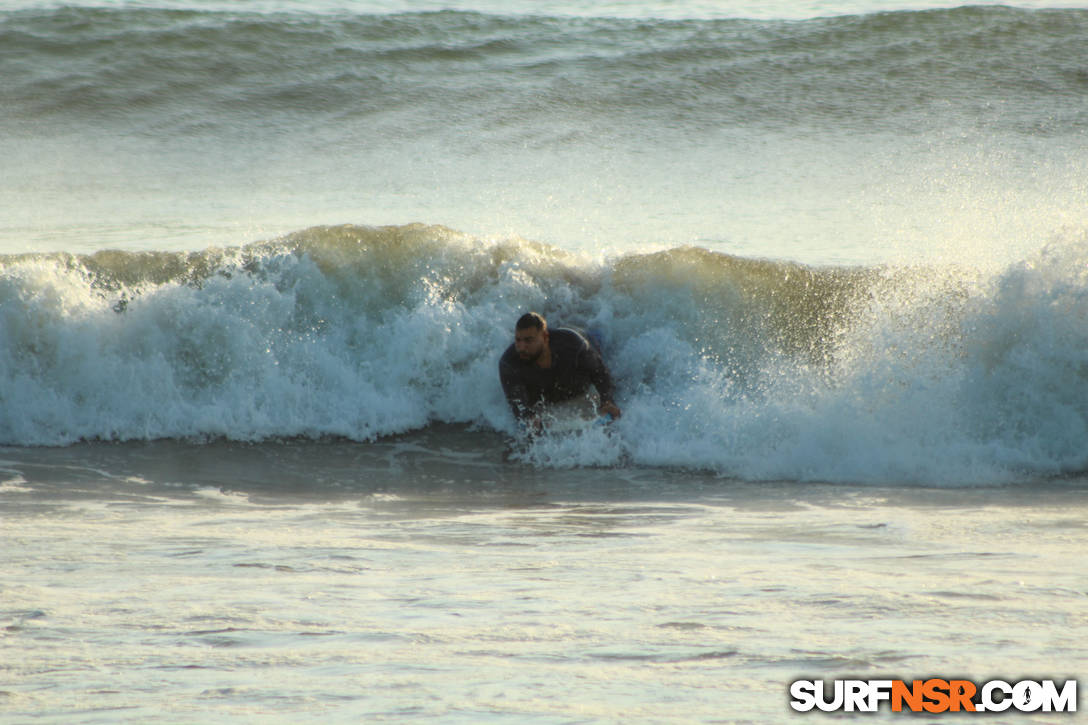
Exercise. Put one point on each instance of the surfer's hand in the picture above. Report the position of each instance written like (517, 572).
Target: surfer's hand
(610, 409)
(535, 425)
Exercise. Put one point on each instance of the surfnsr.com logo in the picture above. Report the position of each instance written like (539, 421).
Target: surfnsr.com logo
(934, 695)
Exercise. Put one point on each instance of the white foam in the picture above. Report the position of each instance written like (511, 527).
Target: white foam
(14, 484)
(935, 376)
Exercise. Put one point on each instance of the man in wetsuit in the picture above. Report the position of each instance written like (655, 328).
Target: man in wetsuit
(551, 366)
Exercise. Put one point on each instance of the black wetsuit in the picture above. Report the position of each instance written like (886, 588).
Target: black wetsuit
(575, 365)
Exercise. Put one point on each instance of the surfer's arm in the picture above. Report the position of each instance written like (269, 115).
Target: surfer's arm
(601, 379)
(513, 387)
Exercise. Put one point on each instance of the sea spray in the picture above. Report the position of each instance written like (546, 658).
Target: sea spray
(749, 368)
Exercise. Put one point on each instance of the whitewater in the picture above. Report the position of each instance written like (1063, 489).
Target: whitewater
(258, 263)
(753, 369)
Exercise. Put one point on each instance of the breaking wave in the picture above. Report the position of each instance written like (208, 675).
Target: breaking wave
(755, 369)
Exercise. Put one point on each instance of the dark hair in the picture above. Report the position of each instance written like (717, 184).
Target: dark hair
(530, 319)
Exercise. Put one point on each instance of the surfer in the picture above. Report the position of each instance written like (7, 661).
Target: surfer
(551, 366)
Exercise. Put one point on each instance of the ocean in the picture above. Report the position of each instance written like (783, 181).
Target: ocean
(259, 259)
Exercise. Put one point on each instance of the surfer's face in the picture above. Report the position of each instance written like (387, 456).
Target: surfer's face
(530, 343)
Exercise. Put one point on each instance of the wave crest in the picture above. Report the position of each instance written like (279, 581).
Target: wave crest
(751, 368)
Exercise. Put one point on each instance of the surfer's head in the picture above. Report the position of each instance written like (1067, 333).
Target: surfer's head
(530, 336)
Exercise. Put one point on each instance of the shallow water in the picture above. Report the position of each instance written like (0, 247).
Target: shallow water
(424, 577)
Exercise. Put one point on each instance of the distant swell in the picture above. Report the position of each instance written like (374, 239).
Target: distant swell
(163, 71)
(751, 368)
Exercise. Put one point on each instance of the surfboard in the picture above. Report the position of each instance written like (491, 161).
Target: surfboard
(573, 416)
